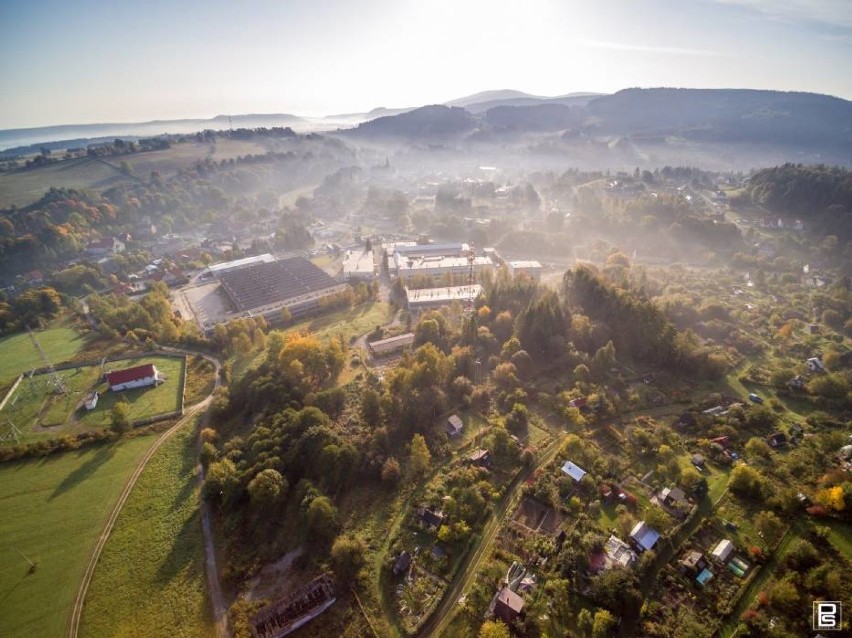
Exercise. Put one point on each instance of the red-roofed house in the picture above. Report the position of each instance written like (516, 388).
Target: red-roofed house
(105, 246)
(137, 377)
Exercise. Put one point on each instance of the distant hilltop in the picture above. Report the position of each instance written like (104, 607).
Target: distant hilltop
(700, 115)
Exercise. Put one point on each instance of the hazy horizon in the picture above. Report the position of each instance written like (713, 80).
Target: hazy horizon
(93, 62)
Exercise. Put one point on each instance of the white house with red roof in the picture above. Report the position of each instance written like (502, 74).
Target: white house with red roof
(129, 378)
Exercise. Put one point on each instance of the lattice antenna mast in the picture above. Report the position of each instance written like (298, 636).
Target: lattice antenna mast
(470, 253)
(56, 380)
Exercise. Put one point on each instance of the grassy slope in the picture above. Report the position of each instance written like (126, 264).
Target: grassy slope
(52, 510)
(18, 354)
(350, 322)
(150, 580)
(27, 186)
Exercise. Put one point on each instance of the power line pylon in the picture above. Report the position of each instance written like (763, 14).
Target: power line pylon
(55, 380)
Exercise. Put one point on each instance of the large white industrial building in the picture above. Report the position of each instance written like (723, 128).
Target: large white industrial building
(424, 298)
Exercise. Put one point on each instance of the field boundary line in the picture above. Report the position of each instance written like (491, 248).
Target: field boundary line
(77, 611)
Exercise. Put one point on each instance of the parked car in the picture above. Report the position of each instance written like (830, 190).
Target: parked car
(754, 398)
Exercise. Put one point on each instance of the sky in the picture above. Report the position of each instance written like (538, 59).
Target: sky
(87, 61)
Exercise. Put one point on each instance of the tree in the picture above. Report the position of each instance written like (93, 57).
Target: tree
(391, 472)
(585, 621)
(769, 526)
(322, 517)
(421, 459)
(832, 498)
(746, 481)
(285, 316)
(494, 629)
(603, 623)
(756, 448)
(784, 597)
(347, 556)
(120, 417)
(266, 488)
(221, 482)
(371, 412)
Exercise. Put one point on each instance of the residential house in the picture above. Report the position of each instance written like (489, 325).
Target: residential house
(581, 403)
(619, 553)
(815, 364)
(693, 562)
(698, 460)
(431, 519)
(454, 426)
(508, 606)
(402, 563)
(105, 246)
(704, 577)
(480, 458)
(776, 439)
(644, 536)
(797, 383)
(574, 471)
(723, 550)
(673, 497)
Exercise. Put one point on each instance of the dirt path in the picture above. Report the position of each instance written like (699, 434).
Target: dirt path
(220, 615)
(443, 614)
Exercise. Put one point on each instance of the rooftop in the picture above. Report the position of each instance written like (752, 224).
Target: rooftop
(225, 266)
(264, 284)
(645, 535)
(127, 375)
(359, 262)
(574, 471)
(413, 264)
(449, 294)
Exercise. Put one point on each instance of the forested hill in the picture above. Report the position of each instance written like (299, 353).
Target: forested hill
(821, 194)
(802, 190)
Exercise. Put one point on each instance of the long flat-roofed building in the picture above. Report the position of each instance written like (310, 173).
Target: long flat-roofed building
(391, 344)
(437, 297)
(435, 267)
(530, 268)
(266, 288)
(432, 250)
(236, 264)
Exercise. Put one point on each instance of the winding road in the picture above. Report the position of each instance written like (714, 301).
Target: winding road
(219, 608)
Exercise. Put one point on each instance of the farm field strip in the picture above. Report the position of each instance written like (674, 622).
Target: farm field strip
(51, 510)
(150, 577)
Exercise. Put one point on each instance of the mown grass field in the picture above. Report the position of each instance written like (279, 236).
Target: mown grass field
(24, 187)
(150, 579)
(52, 510)
(185, 155)
(144, 402)
(18, 354)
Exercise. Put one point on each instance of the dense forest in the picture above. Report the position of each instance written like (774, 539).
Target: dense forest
(821, 194)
